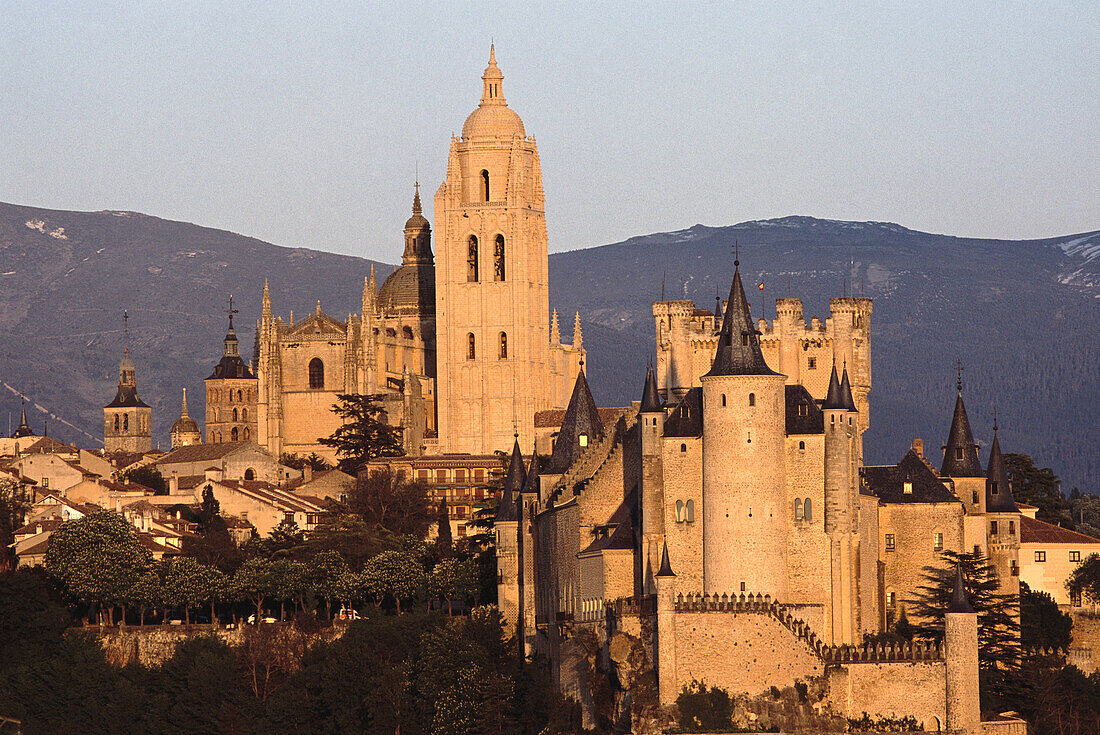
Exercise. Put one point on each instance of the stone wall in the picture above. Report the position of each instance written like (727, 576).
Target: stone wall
(894, 689)
(1085, 640)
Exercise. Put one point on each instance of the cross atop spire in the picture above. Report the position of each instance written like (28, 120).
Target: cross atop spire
(231, 311)
(959, 373)
(492, 93)
(126, 330)
(416, 198)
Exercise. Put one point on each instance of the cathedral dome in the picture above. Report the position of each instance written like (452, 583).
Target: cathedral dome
(410, 288)
(185, 425)
(493, 118)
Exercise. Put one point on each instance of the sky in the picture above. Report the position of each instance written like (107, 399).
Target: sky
(305, 124)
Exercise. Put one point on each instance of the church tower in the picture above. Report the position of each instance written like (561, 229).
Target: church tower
(231, 393)
(126, 419)
(492, 303)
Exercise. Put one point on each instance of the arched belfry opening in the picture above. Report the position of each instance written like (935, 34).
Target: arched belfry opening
(471, 261)
(484, 185)
(498, 259)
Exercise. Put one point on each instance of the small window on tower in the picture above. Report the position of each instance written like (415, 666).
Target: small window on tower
(125, 422)
(958, 453)
(993, 527)
(316, 373)
(683, 447)
(584, 440)
(808, 510)
(992, 487)
(689, 511)
(1012, 528)
(744, 339)
(889, 544)
(811, 364)
(907, 487)
(937, 541)
(802, 446)
(752, 399)
(798, 512)
(471, 261)
(503, 346)
(484, 185)
(471, 347)
(498, 259)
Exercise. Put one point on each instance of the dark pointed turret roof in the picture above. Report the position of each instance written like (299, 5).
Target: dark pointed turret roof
(846, 392)
(833, 399)
(998, 492)
(651, 399)
(739, 341)
(960, 455)
(24, 429)
(531, 484)
(717, 309)
(231, 365)
(958, 602)
(666, 568)
(514, 480)
(581, 418)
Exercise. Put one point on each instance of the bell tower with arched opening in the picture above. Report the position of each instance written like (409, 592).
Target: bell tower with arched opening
(495, 361)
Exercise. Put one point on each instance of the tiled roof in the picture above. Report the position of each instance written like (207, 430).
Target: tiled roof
(810, 420)
(1033, 531)
(553, 418)
(203, 452)
(49, 445)
(686, 418)
(273, 495)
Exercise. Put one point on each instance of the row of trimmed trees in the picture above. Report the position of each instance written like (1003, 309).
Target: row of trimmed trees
(99, 562)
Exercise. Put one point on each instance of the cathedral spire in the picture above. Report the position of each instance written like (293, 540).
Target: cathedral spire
(183, 411)
(960, 454)
(578, 338)
(24, 429)
(651, 399)
(492, 91)
(266, 309)
(846, 391)
(998, 491)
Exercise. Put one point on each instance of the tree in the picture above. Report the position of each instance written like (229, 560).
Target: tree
(286, 535)
(1042, 624)
(149, 476)
(328, 574)
(998, 629)
(454, 579)
(388, 500)
(289, 582)
(396, 574)
(704, 710)
(188, 584)
(350, 536)
(254, 581)
(213, 546)
(1085, 579)
(363, 435)
(13, 507)
(1039, 487)
(443, 541)
(314, 461)
(97, 559)
(148, 590)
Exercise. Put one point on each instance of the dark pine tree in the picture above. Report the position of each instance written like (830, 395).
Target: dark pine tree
(364, 435)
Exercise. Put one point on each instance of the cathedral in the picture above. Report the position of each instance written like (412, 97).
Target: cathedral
(458, 343)
(725, 529)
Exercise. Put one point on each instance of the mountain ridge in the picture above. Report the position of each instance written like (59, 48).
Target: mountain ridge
(1021, 308)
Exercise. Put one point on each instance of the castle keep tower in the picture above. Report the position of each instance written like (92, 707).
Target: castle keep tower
(744, 480)
(126, 419)
(492, 305)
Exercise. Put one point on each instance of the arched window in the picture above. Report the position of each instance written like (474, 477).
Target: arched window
(233, 434)
(250, 474)
(239, 396)
(247, 434)
(683, 447)
(471, 347)
(244, 414)
(679, 511)
(723, 399)
(471, 261)
(484, 185)
(801, 446)
(498, 259)
(689, 511)
(235, 417)
(230, 395)
(316, 373)
(752, 399)
(125, 422)
(116, 422)
(798, 509)
(212, 437)
(407, 331)
(808, 510)
(503, 346)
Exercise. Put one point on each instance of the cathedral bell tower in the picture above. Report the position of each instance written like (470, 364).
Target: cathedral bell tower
(492, 301)
(126, 419)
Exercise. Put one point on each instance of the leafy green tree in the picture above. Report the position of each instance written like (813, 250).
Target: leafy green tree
(1042, 623)
(200, 689)
(31, 618)
(454, 579)
(287, 535)
(388, 500)
(444, 542)
(395, 574)
(148, 591)
(97, 559)
(149, 476)
(363, 434)
(1039, 487)
(1085, 509)
(254, 581)
(327, 577)
(188, 584)
(314, 461)
(704, 710)
(289, 582)
(350, 536)
(1085, 579)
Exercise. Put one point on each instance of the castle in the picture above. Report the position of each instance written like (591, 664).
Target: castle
(458, 344)
(725, 529)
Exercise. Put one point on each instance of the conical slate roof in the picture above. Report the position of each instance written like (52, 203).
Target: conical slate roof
(531, 484)
(738, 342)
(846, 393)
(514, 480)
(581, 419)
(666, 568)
(24, 429)
(960, 456)
(998, 492)
(833, 398)
(651, 399)
(958, 602)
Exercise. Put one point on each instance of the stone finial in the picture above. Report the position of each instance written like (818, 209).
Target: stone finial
(578, 338)
(266, 301)
(183, 411)
(555, 329)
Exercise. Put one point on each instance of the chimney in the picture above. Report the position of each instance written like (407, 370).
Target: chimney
(213, 474)
(38, 529)
(918, 447)
(174, 483)
(307, 473)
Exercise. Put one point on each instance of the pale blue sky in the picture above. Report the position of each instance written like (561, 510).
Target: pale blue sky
(302, 123)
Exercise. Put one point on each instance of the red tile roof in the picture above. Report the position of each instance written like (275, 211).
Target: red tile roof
(1033, 531)
(553, 418)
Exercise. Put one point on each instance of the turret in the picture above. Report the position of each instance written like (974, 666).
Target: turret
(789, 326)
(652, 419)
(580, 428)
(960, 459)
(24, 429)
(1002, 522)
(841, 508)
(961, 656)
(665, 582)
(507, 539)
(744, 471)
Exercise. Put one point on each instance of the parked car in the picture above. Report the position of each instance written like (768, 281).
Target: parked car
(264, 619)
(348, 614)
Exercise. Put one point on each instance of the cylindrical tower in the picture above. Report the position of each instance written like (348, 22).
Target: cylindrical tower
(961, 657)
(744, 482)
(790, 324)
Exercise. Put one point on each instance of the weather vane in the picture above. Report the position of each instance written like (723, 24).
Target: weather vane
(231, 311)
(959, 372)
